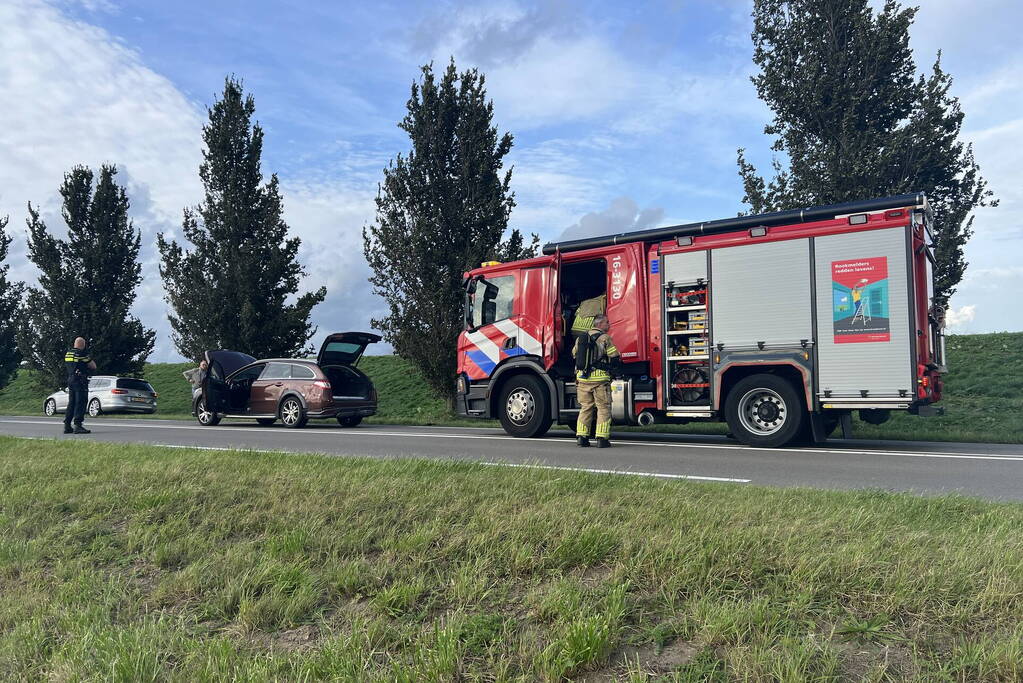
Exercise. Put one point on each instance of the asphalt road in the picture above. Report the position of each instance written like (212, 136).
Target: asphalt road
(992, 471)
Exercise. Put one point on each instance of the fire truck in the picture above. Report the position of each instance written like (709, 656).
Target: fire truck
(782, 324)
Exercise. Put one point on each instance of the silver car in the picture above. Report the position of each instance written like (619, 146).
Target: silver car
(109, 394)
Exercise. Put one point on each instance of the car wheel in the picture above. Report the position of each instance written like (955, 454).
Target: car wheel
(50, 407)
(205, 417)
(94, 408)
(524, 407)
(266, 421)
(765, 410)
(292, 413)
(350, 421)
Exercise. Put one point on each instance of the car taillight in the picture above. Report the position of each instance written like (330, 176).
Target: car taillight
(118, 391)
(322, 383)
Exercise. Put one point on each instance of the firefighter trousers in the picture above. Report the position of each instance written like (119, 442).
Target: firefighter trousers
(593, 397)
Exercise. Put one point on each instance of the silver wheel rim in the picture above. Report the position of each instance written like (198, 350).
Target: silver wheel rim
(51, 408)
(205, 416)
(289, 412)
(762, 411)
(521, 406)
(94, 408)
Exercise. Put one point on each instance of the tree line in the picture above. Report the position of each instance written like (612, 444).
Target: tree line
(852, 118)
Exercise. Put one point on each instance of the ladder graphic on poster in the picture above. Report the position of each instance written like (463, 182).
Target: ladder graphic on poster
(862, 313)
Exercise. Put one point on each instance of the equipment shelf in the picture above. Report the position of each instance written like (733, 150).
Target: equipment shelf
(703, 332)
(679, 309)
(702, 356)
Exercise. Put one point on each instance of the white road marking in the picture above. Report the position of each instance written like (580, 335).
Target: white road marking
(656, 475)
(568, 442)
(659, 475)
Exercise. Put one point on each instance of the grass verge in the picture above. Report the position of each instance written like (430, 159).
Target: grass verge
(138, 563)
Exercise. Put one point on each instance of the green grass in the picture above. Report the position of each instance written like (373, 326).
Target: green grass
(135, 563)
(983, 396)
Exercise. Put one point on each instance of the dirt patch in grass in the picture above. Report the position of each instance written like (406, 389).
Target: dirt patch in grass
(648, 660)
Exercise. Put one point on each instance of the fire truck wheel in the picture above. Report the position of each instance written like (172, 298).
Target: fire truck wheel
(765, 410)
(524, 407)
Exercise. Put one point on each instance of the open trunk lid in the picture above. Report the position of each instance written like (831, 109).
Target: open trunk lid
(345, 348)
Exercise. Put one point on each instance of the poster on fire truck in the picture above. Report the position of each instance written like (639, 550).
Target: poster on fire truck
(860, 293)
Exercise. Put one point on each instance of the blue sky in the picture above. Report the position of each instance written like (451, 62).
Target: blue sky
(625, 115)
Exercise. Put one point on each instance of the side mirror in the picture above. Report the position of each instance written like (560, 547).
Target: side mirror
(489, 311)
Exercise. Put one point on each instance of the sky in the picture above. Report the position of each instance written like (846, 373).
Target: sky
(625, 116)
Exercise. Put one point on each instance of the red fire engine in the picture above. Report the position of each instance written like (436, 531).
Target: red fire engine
(781, 324)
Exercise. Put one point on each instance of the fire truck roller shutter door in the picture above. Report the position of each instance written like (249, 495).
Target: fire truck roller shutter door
(761, 293)
(869, 350)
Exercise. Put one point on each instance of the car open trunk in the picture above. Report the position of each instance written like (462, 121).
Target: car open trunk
(347, 383)
(337, 359)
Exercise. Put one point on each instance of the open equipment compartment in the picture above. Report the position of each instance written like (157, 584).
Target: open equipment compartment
(686, 327)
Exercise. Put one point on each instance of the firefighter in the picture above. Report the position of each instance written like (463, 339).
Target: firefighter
(586, 312)
(595, 356)
(79, 366)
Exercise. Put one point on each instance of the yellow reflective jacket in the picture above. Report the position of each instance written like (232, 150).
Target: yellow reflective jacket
(587, 311)
(606, 350)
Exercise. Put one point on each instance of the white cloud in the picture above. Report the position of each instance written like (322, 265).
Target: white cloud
(73, 94)
(621, 215)
(958, 317)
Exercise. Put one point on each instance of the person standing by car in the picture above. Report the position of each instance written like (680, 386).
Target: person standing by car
(595, 356)
(79, 366)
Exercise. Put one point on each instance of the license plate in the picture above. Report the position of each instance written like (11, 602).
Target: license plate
(139, 399)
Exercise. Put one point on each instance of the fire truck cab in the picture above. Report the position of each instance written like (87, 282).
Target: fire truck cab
(780, 324)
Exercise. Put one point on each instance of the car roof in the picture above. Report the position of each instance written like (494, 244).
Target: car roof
(307, 361)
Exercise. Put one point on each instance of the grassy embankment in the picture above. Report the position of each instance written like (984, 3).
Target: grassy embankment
(983, 397)
(132, 563)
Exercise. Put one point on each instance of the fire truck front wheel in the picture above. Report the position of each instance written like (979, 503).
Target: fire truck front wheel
(765, 410)
(523, 407)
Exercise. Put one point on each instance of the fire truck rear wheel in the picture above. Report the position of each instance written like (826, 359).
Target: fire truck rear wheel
(523, 407)
(765, 410)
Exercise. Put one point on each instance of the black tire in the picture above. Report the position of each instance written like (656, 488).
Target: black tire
(524, 407)
(50, 407)
(203, 416)
(292, 413)
(266, 421)
(765, 410)
(351, 421)
(94, 409)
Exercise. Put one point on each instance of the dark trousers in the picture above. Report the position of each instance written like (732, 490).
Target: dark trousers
(77, 397)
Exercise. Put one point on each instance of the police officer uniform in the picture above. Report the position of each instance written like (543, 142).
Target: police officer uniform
(593, 389)
(586, 312)
(77, 363)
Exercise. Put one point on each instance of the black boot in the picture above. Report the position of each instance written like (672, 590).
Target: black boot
(67, 429)
(583, 441)
(603, 443)
(79, 429)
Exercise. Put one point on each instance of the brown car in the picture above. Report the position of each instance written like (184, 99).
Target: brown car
(292, 390)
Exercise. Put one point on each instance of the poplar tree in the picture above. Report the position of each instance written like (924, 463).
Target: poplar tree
(442, 209)
(854, 119)
(236, 287)
(10, 303)
(87, 282)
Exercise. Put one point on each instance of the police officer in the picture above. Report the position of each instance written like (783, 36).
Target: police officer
(79, 366)
(596, 356)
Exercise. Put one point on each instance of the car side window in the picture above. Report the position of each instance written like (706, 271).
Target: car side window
(302, 372)
(99, 384)
(276, 371)
(248, 374)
